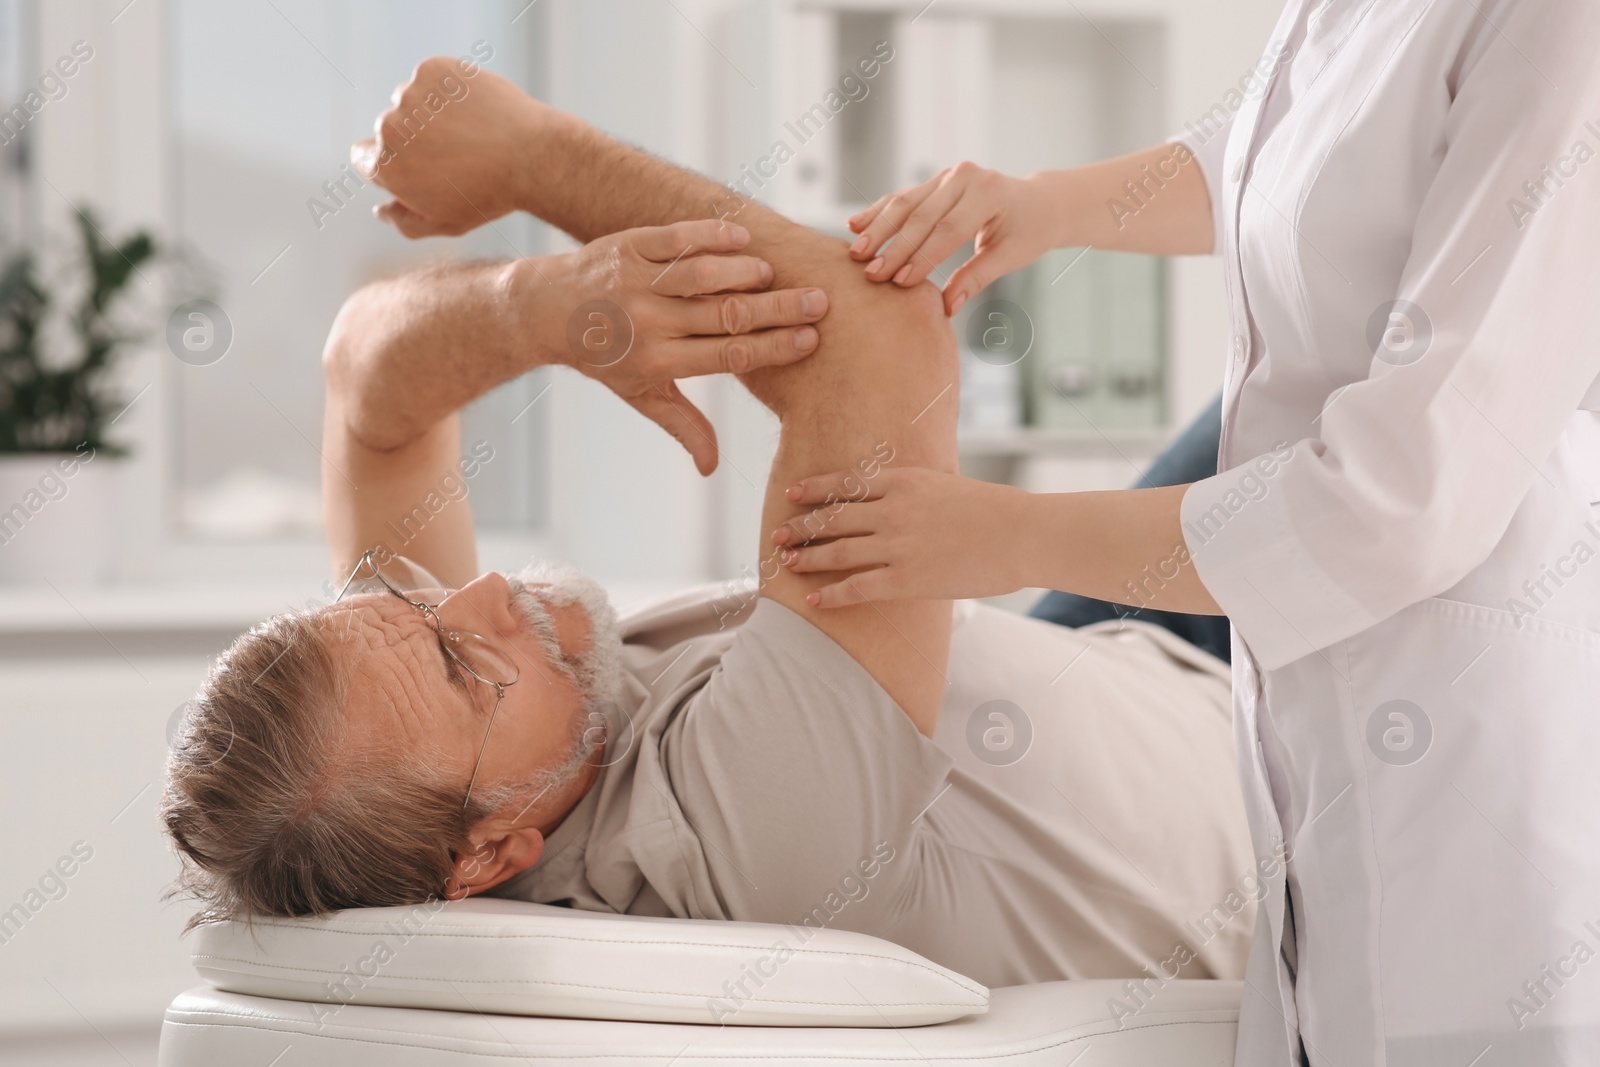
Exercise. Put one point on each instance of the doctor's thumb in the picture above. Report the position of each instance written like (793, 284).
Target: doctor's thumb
(971, 278)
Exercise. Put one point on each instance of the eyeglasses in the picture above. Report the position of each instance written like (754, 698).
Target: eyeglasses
(483, 659)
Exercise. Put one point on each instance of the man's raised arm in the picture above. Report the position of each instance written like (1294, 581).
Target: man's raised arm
(405, 355)
(880, 388)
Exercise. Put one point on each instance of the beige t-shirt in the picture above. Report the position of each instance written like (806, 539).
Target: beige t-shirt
(757, 772)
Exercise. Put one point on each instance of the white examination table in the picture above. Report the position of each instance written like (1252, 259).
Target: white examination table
(488, 981)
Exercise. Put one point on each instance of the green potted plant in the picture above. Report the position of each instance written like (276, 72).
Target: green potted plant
(56, 406)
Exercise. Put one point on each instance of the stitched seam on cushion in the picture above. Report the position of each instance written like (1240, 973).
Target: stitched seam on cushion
(512, 1048)
(922, 967)
(609, 989)
(475, 930)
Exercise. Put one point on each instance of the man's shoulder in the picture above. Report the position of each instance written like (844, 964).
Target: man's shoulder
(700, 611)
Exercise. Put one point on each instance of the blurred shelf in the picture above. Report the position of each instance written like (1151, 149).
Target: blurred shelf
(122, 608)
(1033, 441)
(831, 220)
(154, 618)
(40, 623)
(1103, 11)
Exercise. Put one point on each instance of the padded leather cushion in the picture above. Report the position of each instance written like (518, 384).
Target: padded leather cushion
(511, 957)
(1052, 1024)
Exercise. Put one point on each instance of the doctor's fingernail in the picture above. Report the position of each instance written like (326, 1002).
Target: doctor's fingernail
(793, 492)
(814, 599)
(875, 265)
(955, 306)
(766, 273)
(902, 274)
(861, 243)
(814, 302)
(805, 339)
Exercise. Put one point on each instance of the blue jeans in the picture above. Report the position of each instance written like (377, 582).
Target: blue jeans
(1191, 457)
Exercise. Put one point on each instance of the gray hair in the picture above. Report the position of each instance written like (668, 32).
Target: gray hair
(270, 815)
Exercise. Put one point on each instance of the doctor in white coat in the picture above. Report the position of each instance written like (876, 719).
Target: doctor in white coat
(1405, 533)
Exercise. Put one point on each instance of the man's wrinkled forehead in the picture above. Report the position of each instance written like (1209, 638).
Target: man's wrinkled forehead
(391, 655)
(372, 619)
(378, 632)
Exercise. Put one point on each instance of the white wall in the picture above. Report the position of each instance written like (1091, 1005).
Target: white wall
(84, 744)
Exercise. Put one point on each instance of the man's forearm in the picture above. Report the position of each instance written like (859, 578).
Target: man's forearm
(588, 184)
(405, 353)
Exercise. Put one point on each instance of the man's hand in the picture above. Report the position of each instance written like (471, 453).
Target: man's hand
(452, 148)
(641, 308)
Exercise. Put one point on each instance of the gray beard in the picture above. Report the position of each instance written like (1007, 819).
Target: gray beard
(596, 672)
(555, 778)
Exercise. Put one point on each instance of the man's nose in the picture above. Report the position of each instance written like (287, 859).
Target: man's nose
(483, 605)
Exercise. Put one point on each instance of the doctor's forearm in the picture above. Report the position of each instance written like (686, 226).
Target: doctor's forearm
(1125, 546)
(1153, 201)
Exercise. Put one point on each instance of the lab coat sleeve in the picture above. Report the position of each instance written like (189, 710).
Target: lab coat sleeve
(1418, 469)
(1207, 140)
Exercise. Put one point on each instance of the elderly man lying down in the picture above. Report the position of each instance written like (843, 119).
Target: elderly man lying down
(1017, 801)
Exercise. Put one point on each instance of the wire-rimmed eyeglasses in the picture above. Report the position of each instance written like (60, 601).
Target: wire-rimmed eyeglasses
(488, 661)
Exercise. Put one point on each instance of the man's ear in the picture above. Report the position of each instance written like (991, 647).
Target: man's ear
(493, 853)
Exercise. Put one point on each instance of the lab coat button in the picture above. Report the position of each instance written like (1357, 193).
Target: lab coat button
(1238, 171)
(1238, 349)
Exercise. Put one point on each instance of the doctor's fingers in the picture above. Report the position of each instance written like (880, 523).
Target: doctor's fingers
(880, 583)
(839, 519)
(878, 223)
(845, 554)
(841, 485)
(991, 261)
(936, 230)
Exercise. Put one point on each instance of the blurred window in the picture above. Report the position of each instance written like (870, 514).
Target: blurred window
(277, 231)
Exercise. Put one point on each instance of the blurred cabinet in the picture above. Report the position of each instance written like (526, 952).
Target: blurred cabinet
(853, 99)
(1104, 317)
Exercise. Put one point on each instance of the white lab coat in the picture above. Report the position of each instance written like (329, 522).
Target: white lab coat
(1408, 542)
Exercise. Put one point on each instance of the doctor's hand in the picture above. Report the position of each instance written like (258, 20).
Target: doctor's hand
(639, 309)
(924, 533)
(1007, 216)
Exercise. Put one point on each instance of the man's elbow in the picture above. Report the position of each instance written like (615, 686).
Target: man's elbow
(347, 377)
